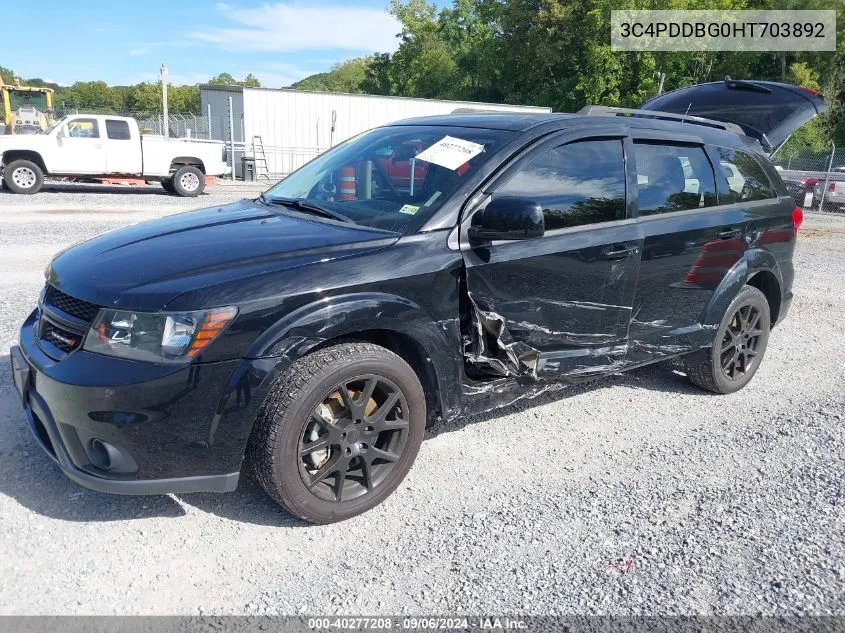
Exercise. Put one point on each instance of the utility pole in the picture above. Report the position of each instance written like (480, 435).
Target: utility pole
(166, 126)
(661, 77)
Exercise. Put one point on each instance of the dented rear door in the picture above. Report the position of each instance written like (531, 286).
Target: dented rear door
(561, 304)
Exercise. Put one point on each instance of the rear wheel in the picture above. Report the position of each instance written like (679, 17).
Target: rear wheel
(23, 176)
(339, 431)
(738, 348)
(188, 181)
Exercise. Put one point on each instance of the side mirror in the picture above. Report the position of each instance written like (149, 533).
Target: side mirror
(507, 218)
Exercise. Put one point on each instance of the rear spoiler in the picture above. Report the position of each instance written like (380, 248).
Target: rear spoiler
(596, 110)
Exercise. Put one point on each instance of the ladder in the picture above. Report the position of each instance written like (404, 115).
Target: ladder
(261, 167)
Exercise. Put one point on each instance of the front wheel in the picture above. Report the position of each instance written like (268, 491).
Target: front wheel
(339, 431)
(738, 347)
(23, 176)
(188, 181)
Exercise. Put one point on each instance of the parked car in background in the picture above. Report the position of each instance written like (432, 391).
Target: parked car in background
(319, 332)
(89, 145)
(802, 189)
(831, 192)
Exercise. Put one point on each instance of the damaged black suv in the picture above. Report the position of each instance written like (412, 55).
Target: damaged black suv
(427, 269)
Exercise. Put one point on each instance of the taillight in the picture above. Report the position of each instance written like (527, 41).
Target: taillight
(831, 186)
(811, 91)
(809, 182)
(797, 218)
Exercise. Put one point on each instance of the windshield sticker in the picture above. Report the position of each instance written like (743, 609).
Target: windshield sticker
(451, 152)
(409, 209)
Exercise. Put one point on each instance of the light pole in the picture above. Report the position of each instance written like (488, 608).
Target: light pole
(164, 99)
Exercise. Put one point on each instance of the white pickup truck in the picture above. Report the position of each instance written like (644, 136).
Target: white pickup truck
(86, 145)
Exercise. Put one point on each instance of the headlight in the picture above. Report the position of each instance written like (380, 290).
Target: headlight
(157, 337)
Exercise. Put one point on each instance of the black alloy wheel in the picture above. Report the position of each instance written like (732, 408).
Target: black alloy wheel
(339, 431)
(738, 345)
(738, 354)
(354, 438)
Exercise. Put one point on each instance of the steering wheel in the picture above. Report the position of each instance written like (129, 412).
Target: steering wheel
(385, 180)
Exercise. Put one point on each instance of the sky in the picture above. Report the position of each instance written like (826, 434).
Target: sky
(125, 43)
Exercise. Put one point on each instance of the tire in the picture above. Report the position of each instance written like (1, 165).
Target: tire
(3, 185)
(23, 176)
(167, 185)
(292, 442)
(747, 317)
(188, 181)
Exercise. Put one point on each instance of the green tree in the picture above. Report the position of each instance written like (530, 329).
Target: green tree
(348, 76)
(225, 79)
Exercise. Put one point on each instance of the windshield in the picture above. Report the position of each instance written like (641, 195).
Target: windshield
(55, 125)
(24, 99)
(392, 178)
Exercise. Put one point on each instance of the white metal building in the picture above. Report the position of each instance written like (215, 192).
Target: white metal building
(296, 125)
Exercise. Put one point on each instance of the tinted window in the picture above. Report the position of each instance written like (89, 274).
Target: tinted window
(579, 183)
(746, 179)
(117, 130)
(673, 178)
(83, 128)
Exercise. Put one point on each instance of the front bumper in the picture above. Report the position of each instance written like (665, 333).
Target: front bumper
(172, 429)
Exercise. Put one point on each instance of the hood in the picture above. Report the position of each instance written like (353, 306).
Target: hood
(146, 266)
(765, 110)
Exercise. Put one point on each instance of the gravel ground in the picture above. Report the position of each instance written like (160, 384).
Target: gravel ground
(638, 494)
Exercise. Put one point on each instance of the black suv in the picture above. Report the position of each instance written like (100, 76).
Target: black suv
(427, 269)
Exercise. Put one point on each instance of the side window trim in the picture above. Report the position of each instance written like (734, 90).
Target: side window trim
(563, 137)
(723, 190)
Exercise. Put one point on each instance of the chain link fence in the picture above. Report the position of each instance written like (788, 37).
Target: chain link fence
(179, 125)
(816, 179)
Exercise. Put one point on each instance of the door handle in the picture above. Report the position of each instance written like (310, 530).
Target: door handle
(728, 233)
(621, 252)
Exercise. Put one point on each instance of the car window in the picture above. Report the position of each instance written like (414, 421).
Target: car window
(746, 179)
(83, 128)
(673, 178)
(117, 130)
(394, 177)
(578, 183)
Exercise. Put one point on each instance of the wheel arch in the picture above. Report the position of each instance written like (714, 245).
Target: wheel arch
(431, 347)
(181, 161)
(766, 282)
(757, 268)
(24, 154)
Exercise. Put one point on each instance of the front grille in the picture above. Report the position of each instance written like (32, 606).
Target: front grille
(61, 338)
(70, 305)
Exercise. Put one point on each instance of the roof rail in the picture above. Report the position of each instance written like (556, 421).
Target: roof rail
(596, 110)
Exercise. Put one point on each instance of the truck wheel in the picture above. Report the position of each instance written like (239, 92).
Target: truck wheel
(339, 431)
(3, 185)
(188, 181)
(23, 176)
(738, 348)
(167, 185)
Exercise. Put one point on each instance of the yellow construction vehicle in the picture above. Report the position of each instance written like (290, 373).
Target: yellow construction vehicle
(26, 109)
